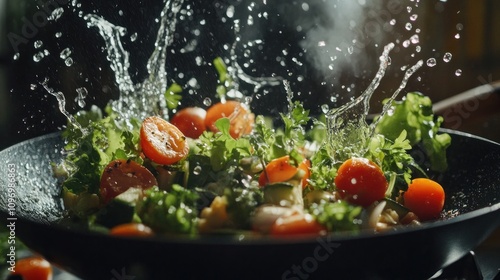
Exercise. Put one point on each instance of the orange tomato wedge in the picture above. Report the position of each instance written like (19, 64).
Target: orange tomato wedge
(280, 170)
(241, 120)
(162, 142)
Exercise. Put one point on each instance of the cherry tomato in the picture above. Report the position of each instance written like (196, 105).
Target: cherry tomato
(33, 268)
(425, 198)
(162, 142)
(298, 224)
(120, 175)
(190, 121)
(360, 181)
(240, 118)
(131, 229)
(280, 170)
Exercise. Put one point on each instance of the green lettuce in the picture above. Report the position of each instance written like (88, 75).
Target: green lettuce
(415, 116)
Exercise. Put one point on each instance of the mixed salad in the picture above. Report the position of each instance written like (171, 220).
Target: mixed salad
(223, 170)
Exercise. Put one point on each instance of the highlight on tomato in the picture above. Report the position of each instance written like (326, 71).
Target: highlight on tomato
(425, 198)
(361, 181)
(162, 142)
(190, 121)
(241, 119)
(120, 175)
(33, 268)
(281, 170)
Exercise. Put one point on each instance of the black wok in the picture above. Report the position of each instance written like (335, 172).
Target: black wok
(472, 185)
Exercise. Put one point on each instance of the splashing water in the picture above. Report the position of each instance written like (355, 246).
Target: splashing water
(348, 131)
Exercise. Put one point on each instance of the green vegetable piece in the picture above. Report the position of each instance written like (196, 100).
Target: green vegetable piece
(414, 115)
(171, 212)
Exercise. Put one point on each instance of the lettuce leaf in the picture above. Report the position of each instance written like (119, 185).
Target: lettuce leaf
(415, 116)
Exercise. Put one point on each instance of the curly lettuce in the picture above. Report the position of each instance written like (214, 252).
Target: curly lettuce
(414, 115)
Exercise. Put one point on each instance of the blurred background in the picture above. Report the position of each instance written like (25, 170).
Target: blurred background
(329, 51)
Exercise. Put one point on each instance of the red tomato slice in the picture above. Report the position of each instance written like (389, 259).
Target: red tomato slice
(298, 224)
(241, 120)
(162, 142)
(425, 198)
(33, 268)
(120, 175)
(190, 121)
(361, 182)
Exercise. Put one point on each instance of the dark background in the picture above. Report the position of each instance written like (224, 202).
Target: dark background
(27, 110)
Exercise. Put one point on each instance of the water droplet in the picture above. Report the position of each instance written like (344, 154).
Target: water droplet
(133, 37)
(350, 49)
(418, 49)
(392, 22)
(408, 26)
(197, 170)
(32, 86)
(413, 17)
(65, 53)
(38, 57)
(325, 108)
(56, 14)
(460, 26)
(431, 62)
(406, 43)
(207, 101)
(458, 73)
(68, 61)
(16, 56)
(38, 44)
(250, 20)
(230, 11)
(81, 95)
(457, 36)
(447, 57)
(415, 39)
(58, 34)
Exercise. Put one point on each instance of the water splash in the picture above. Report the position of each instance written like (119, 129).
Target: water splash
(347, 127)
(348, 131)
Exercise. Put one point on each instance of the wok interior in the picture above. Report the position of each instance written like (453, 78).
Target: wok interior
(472, 181)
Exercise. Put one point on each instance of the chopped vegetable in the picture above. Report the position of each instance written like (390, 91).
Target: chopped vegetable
(414, 114)
(361, 182)
(169, 212)
(298, 224)
(162, 142)
(120, 175)
(425, 198)
(241, 120)
(190, 121)
(131, 229)
(33, 268)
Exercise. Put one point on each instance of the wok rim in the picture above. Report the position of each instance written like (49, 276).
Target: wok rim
(231, 240)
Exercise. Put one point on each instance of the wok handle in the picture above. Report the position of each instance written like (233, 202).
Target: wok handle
(470, 108)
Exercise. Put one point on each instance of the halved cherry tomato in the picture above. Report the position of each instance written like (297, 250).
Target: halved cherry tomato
(190, 121)
(120, 175)
(162, 142)
(298, 224)
(360, 181)
(425, 198)
(33, 268)
(240, 118)
(131, 229)
(280, 170)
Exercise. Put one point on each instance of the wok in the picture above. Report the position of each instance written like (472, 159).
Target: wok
(472, 185)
